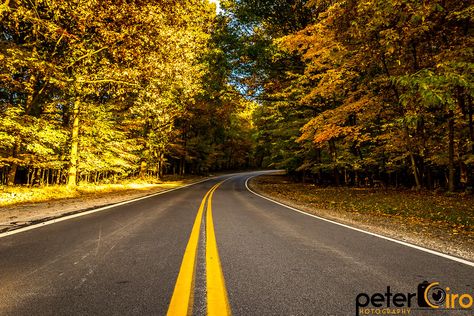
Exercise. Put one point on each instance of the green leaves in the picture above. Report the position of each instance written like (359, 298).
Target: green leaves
(114, 79)
(378, 86)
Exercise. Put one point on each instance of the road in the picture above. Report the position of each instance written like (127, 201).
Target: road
(242, 254)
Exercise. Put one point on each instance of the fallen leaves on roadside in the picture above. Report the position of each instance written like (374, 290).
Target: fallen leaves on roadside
(434, 217)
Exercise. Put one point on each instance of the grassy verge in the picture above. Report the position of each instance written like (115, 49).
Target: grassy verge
(437, 221)
(456, 211)
(18, 195)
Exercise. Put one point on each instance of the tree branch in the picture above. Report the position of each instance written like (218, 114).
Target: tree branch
(107, 81)
(87, 55)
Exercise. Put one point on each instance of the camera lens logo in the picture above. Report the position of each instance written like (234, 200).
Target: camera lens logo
(431, 295)
(435, 295)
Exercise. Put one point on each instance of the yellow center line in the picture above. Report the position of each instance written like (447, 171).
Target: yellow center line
(217, 300)
(182, 299)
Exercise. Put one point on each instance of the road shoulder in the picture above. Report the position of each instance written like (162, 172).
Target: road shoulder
(426, 233)
(27, 214)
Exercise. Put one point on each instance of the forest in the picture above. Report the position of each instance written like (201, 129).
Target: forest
(361, 92)
(342, 92)
(97, 91)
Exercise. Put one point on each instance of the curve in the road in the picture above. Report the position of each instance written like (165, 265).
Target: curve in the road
(434, 252)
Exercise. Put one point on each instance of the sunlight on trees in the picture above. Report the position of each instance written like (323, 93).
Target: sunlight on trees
(102, 90)
(344, 92)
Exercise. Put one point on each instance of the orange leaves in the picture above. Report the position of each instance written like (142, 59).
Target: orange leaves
(330, 132)
(333, 124)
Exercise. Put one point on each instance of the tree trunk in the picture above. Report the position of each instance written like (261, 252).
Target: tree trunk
(143, 169)
(471, 125)
(414, 169)
(36, 177)
(28, 177)
(333, 151)
(462, 175)
(14, 166)
(12, 174)
(414, 166)
(405, 127)
(158, 171)
(41, 177)
(161, 166)
(72, 175)
(451, 170)
(182, 166)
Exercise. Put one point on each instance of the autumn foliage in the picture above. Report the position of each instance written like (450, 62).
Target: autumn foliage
(365, 92)
(102, 90)
(372, 92)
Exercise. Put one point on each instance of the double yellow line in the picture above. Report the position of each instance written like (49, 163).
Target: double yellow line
(217, 301)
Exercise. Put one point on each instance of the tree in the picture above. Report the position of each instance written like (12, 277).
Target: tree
(95, 90)
(381, 88)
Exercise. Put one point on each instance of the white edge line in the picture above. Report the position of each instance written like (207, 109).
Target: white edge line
(79, 214)
(440, 254)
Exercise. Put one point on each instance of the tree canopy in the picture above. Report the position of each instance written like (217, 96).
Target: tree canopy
(110, 89)
(341, 91)
(362, 91)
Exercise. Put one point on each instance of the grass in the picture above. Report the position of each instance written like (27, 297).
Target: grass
(438, 209)
(16, 195)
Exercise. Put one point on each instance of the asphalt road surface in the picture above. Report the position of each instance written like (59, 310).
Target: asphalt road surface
(177, 253)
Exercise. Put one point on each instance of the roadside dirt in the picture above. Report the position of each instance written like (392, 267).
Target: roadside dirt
(444, 236)
(13, 217)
